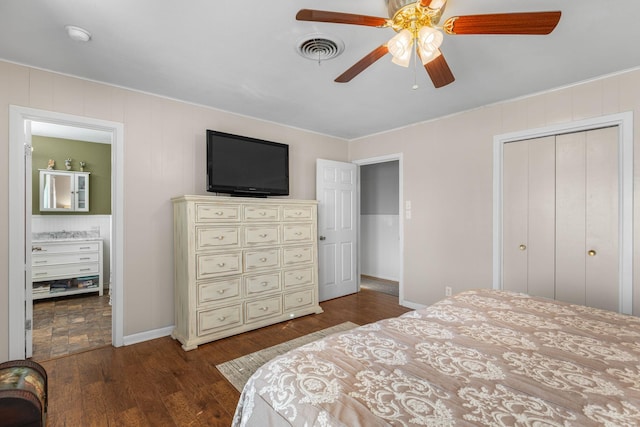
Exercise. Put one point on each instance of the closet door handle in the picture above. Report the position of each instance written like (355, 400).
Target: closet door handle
(591, 253)
(522, 247)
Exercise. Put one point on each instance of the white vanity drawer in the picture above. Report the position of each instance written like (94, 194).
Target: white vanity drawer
(262, 235)
(303, 276)
(50, 248)
(219, 318)
(260, 259)
(208, 213)
(297, 255)
(217, 291)
(267, 307)
(261, 213)
(294, 233)
(211, 265)
(68, 270)
(63, 258)
(297, 213)
(262, 283)
(298, 299)
(217, 237)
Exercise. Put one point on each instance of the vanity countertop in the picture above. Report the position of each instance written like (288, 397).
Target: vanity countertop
(64, 236)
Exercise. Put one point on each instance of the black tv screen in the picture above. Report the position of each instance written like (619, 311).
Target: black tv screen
(240, 165)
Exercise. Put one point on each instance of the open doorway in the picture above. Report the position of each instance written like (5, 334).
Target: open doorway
(23, 122)
(380, 224)
(71, 239)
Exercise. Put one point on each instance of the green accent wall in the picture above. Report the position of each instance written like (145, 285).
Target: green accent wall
(97, 157)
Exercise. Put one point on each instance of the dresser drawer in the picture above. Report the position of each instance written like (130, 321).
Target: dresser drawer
(260, 259)
(217, 237)
(261, 213)
(298, 299)
(303, 276)
(262, 283)
(297, 213)
(211, 265)
(63, 258)
(49, 248)
(69, 270)
(219, 318)
(266, 307)
(219, 290)
(262, 235)
(218, 213)
(294, 233)
(297, 255)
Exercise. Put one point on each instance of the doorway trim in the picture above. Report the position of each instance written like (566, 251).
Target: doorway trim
(19, 242)
(385, 159)
(624, 122)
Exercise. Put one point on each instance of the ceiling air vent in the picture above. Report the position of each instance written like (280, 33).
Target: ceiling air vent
(319, 47)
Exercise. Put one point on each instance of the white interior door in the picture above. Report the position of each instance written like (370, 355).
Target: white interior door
(28, 284)
(336, 190)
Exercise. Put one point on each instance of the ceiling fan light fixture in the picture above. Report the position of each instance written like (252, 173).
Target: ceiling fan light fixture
(427, 57)
(400, 47)
(429, 39)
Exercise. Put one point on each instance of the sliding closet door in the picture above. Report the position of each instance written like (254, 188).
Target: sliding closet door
(529, 215)
(587, 254)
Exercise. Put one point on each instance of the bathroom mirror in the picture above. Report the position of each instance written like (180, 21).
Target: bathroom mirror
(64, 191)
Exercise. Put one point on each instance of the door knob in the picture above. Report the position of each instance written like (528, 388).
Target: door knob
(592, 252)
(322, 238)
(522, 247)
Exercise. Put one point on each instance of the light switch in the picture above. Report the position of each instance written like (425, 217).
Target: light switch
(407, 204)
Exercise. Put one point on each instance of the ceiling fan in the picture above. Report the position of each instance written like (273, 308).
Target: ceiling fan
(418, 33)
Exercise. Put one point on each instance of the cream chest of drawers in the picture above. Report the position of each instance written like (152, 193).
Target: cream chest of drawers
(241, 264)
(66, 267)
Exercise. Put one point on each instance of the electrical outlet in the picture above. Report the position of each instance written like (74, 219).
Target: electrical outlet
(447, 291)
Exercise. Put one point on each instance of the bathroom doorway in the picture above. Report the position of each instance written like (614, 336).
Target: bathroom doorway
(22, 122)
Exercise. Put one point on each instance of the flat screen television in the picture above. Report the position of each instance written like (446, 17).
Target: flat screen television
(243, 166)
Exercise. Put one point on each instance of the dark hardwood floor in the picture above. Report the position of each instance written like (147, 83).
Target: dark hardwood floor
(156, 383)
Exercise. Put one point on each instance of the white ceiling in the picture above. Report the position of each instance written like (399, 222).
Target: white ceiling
(240, 56)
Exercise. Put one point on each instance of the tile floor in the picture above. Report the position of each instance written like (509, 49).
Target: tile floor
(71, 324)
(380, 285)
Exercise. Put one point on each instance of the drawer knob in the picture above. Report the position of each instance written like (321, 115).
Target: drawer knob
(299, 299)
(264, 308)
(221, 291)
(221, 264)
(263, 213)
(85, 247)
(298, 233)
(263, 259)
(219, 213)
(298, 213)
(299, 277)
(263, 235)
(592, 253)
(221, 319)
(264, 283)
(220, 237)
(36, 249)
(298, 255)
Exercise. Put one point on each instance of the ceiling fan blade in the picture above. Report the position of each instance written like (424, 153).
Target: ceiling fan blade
(533, 23)
(361, 65)
(340, 18)
(439, 71)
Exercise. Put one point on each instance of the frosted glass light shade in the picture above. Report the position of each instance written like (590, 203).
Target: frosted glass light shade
(400, 48)
(429, 39)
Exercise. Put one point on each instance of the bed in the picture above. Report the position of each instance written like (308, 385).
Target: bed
(481, 357)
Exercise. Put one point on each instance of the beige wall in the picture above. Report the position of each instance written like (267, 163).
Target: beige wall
(448, 178)
(164, 148)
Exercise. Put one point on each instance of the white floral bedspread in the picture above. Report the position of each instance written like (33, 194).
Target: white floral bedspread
(482, 357)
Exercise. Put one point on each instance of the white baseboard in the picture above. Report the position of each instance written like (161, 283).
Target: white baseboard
(412, 305)
(147, 335)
